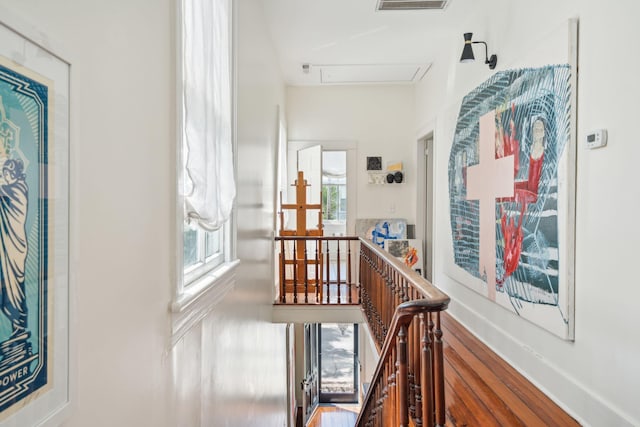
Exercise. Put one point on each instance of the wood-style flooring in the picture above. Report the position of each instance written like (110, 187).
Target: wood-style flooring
(334, 416)
(481, 390)
(329, 295)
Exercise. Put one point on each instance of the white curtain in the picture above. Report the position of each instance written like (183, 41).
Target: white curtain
(334, 167)
(209, 184)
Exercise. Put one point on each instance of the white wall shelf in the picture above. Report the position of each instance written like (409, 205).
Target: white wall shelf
(380, 177)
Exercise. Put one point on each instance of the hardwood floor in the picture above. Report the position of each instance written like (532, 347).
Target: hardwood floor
(329, 295)
(481, 390)
(334, 416)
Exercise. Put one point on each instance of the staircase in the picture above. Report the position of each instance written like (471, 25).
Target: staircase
(432, 371)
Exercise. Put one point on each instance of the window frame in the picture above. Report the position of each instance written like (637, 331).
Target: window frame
(336, 209)
(205, 263)
(198, 288)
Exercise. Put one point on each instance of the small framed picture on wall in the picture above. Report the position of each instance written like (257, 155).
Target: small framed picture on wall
(374, 163)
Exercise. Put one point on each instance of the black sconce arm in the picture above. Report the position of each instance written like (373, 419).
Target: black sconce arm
(491, 61)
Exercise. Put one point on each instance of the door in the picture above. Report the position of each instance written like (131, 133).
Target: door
(310, 394)
(299, 152)
(310, 163)
(338, 363)
(428, 226)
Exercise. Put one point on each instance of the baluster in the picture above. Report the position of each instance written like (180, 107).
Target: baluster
(384, 413)
(401, 379)
(393, 408)
(328, 270)
(395, 285)
(379, 302)
(405, 290)
(364, 279)
(306, 274)
(359, 278)
(438, 377)
(338, 278)
(411, 380)
(417, 372)
(388, 290)
(383, 297)
(317, 269)
(295, 271)
(349, 279)
(426, 364)
(283, 271)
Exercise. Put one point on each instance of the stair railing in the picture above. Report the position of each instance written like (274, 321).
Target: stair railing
(317, 270)
(403, 313)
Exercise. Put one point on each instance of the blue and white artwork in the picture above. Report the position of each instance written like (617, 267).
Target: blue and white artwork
(509, 193)
(379, 230)
(24, 293)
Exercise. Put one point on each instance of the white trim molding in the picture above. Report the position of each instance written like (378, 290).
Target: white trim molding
(199, 299)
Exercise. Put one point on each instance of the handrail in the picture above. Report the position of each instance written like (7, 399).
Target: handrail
(317, 270)
(403, 313)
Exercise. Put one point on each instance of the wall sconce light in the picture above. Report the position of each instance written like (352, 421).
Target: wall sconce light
(467, 52)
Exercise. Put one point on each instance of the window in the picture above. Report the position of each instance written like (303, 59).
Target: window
(202, 251)
(334, 187)
(207, 189)
(334, 202)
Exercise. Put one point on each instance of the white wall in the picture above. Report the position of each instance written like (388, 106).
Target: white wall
(380, 119)
(245, 382)
(122, 127)
(230, 369)
(596, 377)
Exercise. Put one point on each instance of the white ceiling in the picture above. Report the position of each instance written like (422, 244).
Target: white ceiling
(349, 41)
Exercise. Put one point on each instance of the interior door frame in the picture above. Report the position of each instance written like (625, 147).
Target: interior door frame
(425, 209)
(310, 382)
(350, 147)
(340, 397)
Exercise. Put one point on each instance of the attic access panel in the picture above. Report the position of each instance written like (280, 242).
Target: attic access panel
(372, 73)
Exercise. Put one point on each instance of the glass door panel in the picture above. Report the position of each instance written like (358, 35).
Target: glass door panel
(338, 363)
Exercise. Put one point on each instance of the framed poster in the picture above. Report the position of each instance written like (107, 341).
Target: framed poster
(34, 231)
(512, 189)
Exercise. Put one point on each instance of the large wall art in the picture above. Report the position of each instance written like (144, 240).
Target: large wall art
(511, 189)
(34, 278)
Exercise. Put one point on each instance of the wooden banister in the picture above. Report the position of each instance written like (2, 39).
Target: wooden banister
(402, 310)
(403, 313)
(317, 270)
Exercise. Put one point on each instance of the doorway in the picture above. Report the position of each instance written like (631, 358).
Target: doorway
(331, 365)
(334, 192)
(338, 363)
(425, 202)
(329, 155)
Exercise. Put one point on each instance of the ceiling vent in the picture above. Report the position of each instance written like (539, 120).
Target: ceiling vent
(411, 4)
